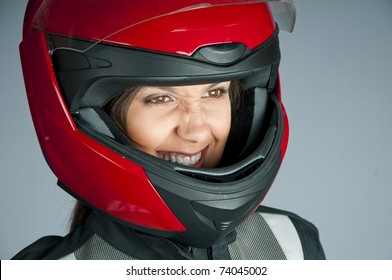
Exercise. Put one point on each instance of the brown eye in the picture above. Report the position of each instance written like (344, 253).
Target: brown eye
(159, 99)
(215, 93)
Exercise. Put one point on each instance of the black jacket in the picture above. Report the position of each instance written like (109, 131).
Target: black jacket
(267, 234)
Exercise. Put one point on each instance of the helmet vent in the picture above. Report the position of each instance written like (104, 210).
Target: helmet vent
(223, 225)
(222, 214)
(222, 53)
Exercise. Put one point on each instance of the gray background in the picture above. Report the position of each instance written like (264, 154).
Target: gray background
(336, 77)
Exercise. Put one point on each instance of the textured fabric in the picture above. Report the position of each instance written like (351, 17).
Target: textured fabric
(92, 117)
(253, 239)
(256, 241)
(98, 249)
(286, 234)
(267, 234)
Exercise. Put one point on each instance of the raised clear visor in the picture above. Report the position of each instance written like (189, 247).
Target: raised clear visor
(85, 18)
(284, 13)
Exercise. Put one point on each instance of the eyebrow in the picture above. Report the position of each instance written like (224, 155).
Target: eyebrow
(173, 88)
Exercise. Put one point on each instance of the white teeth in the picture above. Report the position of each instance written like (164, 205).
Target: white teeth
(181, 159)
(185, 161)
(194, 159)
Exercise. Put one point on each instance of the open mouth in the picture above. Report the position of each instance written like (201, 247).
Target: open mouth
(187, 160)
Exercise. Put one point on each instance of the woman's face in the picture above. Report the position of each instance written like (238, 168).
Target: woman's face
(188, 125)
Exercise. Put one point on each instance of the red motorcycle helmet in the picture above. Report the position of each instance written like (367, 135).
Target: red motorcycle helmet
(78, 55)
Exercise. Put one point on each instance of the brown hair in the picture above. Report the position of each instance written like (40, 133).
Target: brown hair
(117, 109)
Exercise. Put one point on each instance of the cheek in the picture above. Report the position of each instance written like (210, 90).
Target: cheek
(144, 129)
(220, 120)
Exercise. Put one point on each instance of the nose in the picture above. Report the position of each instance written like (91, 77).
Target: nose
(193, 126)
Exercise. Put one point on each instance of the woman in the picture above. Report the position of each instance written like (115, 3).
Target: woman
(164, 120)
(188, 125)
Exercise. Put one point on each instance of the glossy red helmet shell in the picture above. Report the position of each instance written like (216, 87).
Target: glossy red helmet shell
(102, 177)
